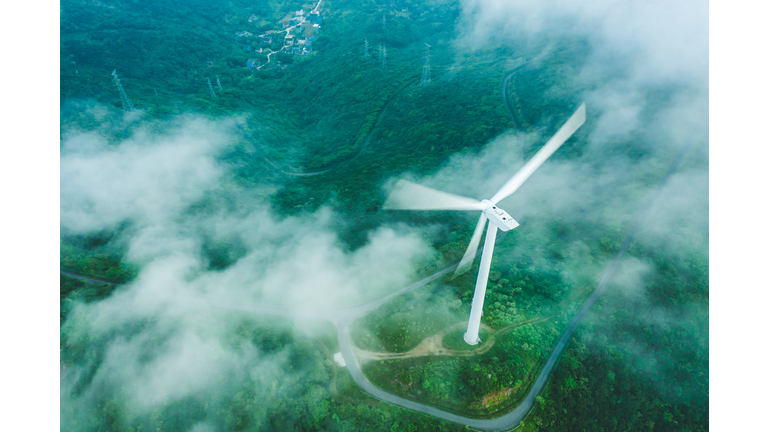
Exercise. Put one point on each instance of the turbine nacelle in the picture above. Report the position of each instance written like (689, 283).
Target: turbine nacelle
(498, 216)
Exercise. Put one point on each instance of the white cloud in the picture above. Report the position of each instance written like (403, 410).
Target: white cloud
(146, 177)
(168, 334)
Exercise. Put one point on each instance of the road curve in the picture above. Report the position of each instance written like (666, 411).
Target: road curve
(84, 278)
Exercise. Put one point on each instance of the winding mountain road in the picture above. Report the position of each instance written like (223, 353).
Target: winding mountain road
(343, 317)
(359, 152)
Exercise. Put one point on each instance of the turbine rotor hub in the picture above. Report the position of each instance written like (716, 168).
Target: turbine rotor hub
(498, 216)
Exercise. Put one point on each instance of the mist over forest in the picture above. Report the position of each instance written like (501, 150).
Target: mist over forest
(205, 214)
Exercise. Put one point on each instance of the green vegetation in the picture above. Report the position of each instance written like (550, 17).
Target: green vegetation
(72, 290)
(297, 117)
(92, 256)
(656, 377)
(403, 322)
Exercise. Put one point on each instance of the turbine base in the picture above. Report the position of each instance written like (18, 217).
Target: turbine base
(472, 343)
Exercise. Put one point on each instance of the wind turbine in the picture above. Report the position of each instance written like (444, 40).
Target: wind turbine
(411, 196)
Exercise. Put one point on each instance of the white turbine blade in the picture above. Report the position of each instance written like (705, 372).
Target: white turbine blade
(469, 255)
(411, 196)
(562, 135)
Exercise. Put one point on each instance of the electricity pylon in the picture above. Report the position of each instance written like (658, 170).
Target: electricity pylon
(210, 87)
(366, 49)
(426, 78)
(127, 105)
(384, 58)
(219, 83)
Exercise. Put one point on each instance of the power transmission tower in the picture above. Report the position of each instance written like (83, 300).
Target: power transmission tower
(426, 78)
(366, 49)
(384, 22)
(384, 58)
(380, 53)
(210, 87)
(127, 105)
(219, 83)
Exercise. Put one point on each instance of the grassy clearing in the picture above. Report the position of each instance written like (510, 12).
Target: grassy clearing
(455, 340)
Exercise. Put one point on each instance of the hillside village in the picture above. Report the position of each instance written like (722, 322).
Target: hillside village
(294, 34)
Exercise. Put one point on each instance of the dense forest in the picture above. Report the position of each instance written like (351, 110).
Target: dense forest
(638, 362)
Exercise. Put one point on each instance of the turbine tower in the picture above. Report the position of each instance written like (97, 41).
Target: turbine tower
(219, 83)
(366, 49)
(411, 196)
(426, 79)
(127, 105)
(210, 87)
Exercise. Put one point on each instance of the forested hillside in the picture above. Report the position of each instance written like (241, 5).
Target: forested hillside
(315, 141)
